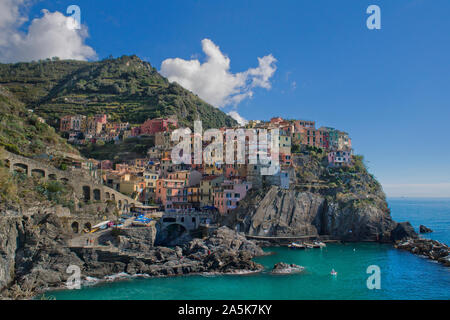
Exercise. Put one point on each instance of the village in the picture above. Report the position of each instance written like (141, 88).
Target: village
(158, 182)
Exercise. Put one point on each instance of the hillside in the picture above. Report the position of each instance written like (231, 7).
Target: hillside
(23, 133)
(126, 88)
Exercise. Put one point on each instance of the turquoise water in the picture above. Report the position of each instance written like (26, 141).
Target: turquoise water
(403, 275)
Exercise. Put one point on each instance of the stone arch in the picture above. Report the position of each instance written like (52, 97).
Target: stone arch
(113, 196)
(20, 167)
(125, 204)
(87, 226)
(64, 180)
(175, 230)
(52, 176)
(170, 230)
(38, 173)
(7, 163)
(119, 204)
(75, 227)
(86, 193)
(107, 196)
(97, 194)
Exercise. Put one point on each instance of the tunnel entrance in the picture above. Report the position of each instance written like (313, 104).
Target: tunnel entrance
(75, 227)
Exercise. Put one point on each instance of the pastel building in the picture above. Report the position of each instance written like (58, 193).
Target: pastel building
(172, 194)
(153, 126)
(339, 158)
(72, 123)
(228, 195)
(190, 177)
(344, 141)
(207, 186)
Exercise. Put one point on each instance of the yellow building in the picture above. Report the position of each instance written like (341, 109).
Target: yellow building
(129, 187)
(213, 170)
(194, 195)
(150, 179)
(285, 143)
(207, 186)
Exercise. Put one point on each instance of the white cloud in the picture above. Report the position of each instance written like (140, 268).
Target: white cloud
(236, 116)
(212, 79)
(46, 37)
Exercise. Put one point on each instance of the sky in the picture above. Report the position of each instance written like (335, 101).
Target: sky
(388, 88)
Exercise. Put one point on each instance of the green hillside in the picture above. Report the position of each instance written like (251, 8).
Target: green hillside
(22, 132)
(126, 88)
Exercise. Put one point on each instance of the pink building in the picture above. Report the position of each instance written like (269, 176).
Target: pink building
(153, 126)
(231, 171)
(172, 194)
(228, 195)
(339, 158)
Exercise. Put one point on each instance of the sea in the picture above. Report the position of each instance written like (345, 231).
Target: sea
(398, 274)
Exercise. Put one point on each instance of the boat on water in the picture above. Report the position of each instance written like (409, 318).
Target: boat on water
(310, 246)
(320, 244)
(295, 245)
(333, 273)
(307, 245)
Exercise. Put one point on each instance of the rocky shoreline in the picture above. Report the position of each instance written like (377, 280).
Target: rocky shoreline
(428, 248)
(42, 259)
(35, 252)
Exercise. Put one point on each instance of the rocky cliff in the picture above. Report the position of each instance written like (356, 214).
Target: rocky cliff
(277, 212)
(36, 250)
(11, 233)
(344, 203)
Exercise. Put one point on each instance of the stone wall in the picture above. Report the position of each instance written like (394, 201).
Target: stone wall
(86, 187)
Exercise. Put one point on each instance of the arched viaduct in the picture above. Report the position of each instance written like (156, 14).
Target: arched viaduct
(189, 221)
(83, 184)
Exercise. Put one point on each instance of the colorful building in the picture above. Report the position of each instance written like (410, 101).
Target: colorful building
(339, 158)
(153, 126)
(207, 186)
(229, 193)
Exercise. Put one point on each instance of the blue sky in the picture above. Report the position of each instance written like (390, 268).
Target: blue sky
(388, 88)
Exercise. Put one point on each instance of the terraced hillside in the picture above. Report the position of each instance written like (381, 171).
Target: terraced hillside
(126, 88)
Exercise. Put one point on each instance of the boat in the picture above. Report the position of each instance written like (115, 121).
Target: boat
(333, 273)
(295, 245)
(309, 245)
(320, 244)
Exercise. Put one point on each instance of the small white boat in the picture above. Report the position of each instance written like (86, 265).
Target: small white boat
(333, 273)
(320, 244)
(295, 245)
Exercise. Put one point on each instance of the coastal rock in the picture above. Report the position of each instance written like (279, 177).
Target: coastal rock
(11, 231)
(136, 238)
(284, 213)
(35, 254)
(284, 268)
(402, 231)
(431, 249)
(289, 213)
(423, 229)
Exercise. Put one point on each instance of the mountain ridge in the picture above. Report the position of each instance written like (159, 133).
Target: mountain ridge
(127, 88)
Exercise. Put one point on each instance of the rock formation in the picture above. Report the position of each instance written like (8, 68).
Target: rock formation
(35, 254)
(431, 249)
(423, 229)
(284, 268)
(276, 212)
